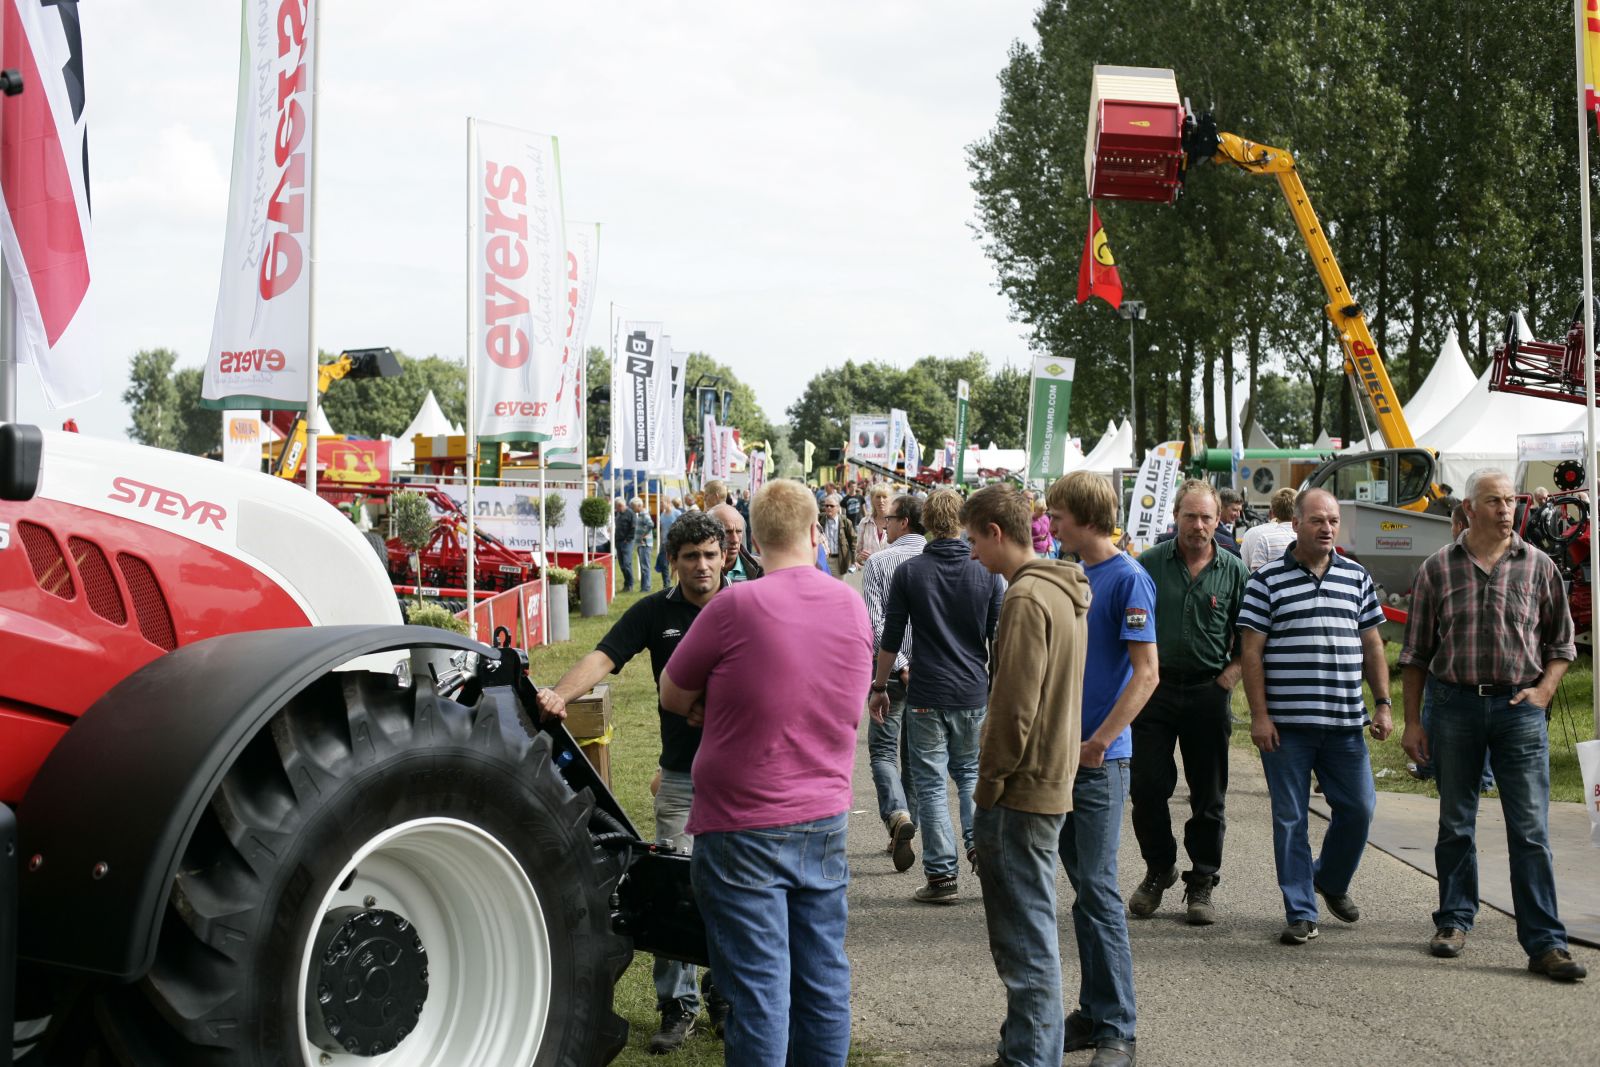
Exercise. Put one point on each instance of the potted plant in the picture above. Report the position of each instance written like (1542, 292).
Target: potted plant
(555, 510)
(413, 525)
(559, 582)
(594, 512)
(435, 615)
(592, 589)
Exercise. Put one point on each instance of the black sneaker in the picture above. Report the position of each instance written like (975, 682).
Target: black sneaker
(1198, 897)
(1080, 1032)
(676, 1026)
(1298, 932)
(938, 891)
(1341, 905)
(717, 1007)
(1147, 898)
(718, 1010)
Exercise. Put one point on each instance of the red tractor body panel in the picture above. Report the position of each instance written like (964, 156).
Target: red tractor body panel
(89, 599)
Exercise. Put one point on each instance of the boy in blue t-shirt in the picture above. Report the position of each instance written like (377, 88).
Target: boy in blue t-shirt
(1120, 672)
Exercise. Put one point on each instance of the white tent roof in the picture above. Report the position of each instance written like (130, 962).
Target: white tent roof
(428, 422)
(1449, 383)
(1114, 450)
(324, 429)
(1481, 430)
(1446, 385)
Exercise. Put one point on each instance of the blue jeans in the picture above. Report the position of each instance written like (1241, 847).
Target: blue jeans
(674, 980)
(774, 907)
(1017, 852)
(1339, 756)
(886, 750)
(625, 564)
(1090, 838)
(1465, 726)
(643, 550)
(941, 739)
(1426, 769)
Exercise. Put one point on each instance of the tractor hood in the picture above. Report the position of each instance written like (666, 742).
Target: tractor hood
(297, 540)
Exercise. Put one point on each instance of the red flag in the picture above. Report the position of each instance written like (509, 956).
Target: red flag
(1097, 275)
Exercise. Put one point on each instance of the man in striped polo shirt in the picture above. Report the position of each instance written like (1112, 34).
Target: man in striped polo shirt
(1309, 628)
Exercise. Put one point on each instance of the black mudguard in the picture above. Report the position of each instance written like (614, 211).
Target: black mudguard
(114, 805)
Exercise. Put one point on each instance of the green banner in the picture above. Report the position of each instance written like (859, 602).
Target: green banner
(963, 394)
(1047, 418)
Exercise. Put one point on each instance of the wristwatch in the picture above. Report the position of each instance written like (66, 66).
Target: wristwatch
(1383, 700)
(880, 687)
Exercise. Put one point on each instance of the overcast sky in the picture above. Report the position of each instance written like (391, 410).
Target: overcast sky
(784, 186)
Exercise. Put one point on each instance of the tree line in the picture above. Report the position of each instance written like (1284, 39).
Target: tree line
(1438, 144)
(164, 401)
(926, 391)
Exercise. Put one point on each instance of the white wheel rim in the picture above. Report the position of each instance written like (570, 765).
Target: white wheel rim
(484, 932)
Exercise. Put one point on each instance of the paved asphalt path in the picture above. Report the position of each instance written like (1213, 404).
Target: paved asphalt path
(925, 989)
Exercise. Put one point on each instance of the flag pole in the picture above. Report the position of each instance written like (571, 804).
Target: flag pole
(1588, 330)
(472, 381)
(8, 348)
(314, 375)
(544, 552)
(611, 445)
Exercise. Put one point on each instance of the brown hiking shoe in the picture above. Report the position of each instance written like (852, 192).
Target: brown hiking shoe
(901, 831)
(1448, 942)
(1559, 965)
(1147, 898)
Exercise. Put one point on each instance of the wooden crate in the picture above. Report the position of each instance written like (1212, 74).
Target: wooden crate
(589, 720)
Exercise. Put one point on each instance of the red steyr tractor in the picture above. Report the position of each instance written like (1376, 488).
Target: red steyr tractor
(260, 822)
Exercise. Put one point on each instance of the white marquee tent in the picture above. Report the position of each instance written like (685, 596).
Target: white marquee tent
(1114, 450)
(1449, 383)
(1481, 430)
(428, 422)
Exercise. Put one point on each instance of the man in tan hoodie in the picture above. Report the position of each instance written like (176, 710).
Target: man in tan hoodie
(1027, 758)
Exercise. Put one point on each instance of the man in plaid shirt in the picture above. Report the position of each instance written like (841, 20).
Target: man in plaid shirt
(1490, 635)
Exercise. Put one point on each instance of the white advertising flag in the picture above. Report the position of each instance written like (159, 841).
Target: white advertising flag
(758, 472)
(583, 263)
(260, 346)
(913, 453)
(1153, 493)
(713, 449)
(44, 198)
(672, 464)
(640, 370)
(241, 439)
(520, 284)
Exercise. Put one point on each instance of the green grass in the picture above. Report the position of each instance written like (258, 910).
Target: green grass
(1571, 721)
(635, 746)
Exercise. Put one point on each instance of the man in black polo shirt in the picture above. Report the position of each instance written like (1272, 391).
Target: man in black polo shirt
(1198, 591)
(657, 623)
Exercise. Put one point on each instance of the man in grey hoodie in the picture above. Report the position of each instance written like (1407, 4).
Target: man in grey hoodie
(1029, 759)
(953, 606)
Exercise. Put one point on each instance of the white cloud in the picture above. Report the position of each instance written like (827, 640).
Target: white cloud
(785, 186)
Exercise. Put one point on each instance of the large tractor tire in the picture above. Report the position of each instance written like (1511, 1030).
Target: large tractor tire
(388, 873)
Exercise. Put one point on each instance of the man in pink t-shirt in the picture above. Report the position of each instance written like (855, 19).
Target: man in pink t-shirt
(772, 785)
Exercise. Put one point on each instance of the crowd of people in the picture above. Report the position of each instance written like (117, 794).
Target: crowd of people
(1052, 678)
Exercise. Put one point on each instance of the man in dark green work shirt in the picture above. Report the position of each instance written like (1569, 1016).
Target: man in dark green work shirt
(1198, 590)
